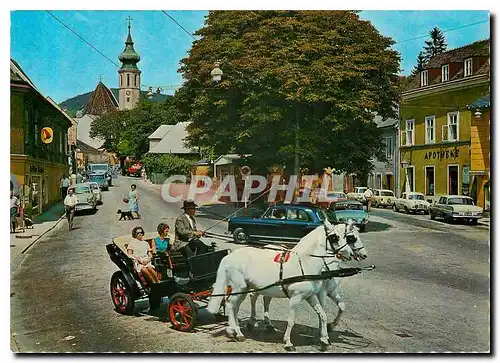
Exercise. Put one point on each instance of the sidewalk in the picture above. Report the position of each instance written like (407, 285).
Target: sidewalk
(21, 241)
(484, 222)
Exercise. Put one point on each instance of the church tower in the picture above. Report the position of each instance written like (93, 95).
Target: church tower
(129, 76)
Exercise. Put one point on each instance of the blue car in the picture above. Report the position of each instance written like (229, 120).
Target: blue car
(341, 212)
(279, 223)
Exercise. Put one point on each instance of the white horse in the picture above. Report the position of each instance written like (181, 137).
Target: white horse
(329, 287)
(251, 268)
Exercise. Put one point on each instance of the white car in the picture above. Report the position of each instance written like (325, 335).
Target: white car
(411, 202)
(96, 190)
(460, 207)
(383, 198)
(86, 199)
(358, 194)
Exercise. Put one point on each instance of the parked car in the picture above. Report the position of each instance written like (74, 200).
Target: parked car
(341, 212)
(97, 191)
(100, 179)
(383, 198)
(411, 202)
(87, 200)
(282, 222)
(460, 207)
(332, 198)
(358, 194)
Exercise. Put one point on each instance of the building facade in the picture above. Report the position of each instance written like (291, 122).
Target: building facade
(37, 166)
(480, 152)
(435, 126)
(384, 173)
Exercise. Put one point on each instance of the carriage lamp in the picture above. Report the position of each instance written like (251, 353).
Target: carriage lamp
(158, 90)
(150, 93)
(216, 73)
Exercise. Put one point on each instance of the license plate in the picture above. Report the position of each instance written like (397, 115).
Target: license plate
(468, 213)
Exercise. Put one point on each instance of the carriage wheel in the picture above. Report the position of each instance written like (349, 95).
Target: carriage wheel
(121, 294)
(182, 312)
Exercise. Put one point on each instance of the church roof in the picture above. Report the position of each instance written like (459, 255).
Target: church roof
(101, 101)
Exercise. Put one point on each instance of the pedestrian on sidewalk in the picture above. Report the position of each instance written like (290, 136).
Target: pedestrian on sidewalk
(133, 200)
(64, 184)
(14, 209)
(69, 205)
(368, 194)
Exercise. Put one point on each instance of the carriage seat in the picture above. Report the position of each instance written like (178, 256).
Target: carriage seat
(123, 241)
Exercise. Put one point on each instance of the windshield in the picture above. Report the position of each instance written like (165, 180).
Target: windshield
(460, 201)
(322, 215)
(97, 177)
(361, 190)
(349, 206)
(99, 167)
(416, 197)
(81, 190)
(387, 194)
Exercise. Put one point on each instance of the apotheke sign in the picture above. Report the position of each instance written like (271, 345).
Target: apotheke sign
(448, 154)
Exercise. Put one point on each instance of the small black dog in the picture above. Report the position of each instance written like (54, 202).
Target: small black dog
(126, 214)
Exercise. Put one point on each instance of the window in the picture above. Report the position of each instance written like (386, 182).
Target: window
(61, 141)
(445, 73)
(136, 78)
(388, 148)
(128, 99)
(128, 80)
(452, 126)
(442, 200)
(121, 80)
(430, 130)
(424, 78)
(468, 67)
(410, 135)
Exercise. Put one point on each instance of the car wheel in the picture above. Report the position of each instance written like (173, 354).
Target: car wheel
(121, 294)
(240, 236)
(473, 221)
(447, 218)
(407, 211)
(394, 208)
(433, 217)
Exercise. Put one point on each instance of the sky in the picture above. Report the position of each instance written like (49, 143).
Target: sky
(62, 65)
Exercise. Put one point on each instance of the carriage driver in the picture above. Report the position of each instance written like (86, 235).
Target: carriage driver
(187, 237)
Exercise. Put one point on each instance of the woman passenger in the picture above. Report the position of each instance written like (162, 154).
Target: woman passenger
(140, 253)
(162, 242)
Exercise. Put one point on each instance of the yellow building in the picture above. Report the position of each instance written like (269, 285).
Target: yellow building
(480, 152)
(435, 126)
(36, 166)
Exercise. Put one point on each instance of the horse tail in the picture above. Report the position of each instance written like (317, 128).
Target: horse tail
(219, 289)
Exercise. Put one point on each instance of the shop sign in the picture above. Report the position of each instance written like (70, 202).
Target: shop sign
(47, 135)
(448, 154)
(35, 169)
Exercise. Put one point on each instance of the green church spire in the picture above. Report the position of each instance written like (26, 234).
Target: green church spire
(129, 57)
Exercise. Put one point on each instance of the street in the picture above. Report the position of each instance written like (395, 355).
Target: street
(429, 292)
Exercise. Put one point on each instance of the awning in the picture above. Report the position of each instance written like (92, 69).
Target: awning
(483, 102)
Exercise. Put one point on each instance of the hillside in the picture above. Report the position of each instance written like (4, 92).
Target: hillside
(78, 102)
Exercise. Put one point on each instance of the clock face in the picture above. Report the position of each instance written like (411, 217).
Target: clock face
(127, 93)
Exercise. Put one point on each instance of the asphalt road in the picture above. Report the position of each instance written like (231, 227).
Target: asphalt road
(428, 293)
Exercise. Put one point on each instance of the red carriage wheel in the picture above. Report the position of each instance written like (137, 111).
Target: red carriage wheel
(121, 294)
(182, 312)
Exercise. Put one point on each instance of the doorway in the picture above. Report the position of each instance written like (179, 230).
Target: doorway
(411, 177)
(36, 195)
(390, 185)
(453, 179)
(429, 180)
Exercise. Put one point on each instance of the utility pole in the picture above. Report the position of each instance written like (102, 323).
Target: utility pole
(296, 168)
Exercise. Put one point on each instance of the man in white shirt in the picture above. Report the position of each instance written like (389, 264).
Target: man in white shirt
(368, 194)
(64, 186)
(70, 203)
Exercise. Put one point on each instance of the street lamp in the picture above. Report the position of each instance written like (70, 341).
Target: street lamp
(150, 93)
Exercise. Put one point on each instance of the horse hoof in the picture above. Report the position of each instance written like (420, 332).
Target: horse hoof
(329, 327)
(323, 347)
(230, 333)
(240, 338)
(289, 348)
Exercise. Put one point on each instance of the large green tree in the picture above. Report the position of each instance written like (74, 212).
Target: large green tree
(126, 132)
(421, 59)
(315, 74)
(436, 45)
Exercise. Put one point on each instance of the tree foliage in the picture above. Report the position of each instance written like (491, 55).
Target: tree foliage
(421, 59)
(436, 45)
(167, 164)
(321, 72)
(126, 132)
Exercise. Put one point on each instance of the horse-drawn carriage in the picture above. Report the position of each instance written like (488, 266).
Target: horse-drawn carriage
(187, 282)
